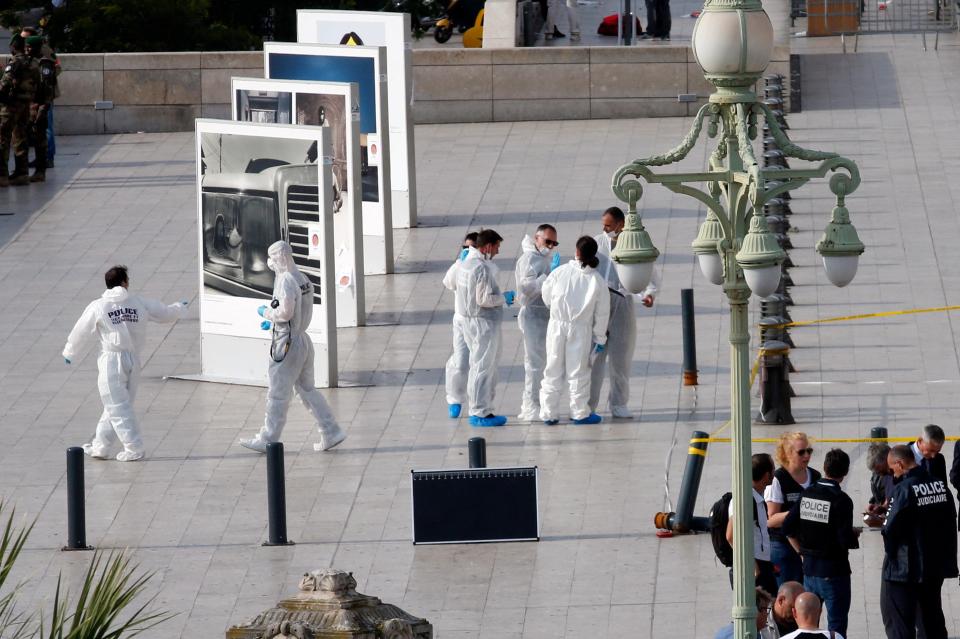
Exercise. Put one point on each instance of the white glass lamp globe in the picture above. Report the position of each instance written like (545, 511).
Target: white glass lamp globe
(711, 266)
(763, 281)
(635, 277)
(733, 47)
(840, 269)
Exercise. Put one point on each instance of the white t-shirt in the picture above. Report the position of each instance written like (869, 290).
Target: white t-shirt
(774, 493)
(825, 633)
(761, 534)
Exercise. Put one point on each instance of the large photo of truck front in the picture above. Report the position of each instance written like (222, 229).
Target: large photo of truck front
(254, 191)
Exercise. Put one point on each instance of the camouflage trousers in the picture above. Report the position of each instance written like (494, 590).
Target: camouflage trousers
(38, 135)
(14, 131)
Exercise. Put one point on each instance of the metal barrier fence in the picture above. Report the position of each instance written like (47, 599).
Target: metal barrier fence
(856, 17)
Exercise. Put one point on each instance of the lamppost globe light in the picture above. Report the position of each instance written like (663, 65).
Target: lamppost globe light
(732, 44)
(840, 248)
(711, 266)
(634, 255)
(763, 281)
(707, 248)
(760, 256)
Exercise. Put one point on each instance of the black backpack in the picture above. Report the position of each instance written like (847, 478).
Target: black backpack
(719, 517)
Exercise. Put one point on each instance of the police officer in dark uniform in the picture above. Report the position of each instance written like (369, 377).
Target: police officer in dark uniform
(820, 527)
(920, 544)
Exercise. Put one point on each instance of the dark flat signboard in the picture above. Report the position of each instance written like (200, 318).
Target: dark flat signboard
(475, 505)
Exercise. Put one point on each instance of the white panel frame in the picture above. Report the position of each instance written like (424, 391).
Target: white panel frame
(377, 227)
(233, 348)
(347, 228)
(396, 31)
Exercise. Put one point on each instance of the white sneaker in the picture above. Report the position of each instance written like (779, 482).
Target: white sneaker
(254, 444)
(621, 412)
(95, 451)
(126, 456)
(331, 439)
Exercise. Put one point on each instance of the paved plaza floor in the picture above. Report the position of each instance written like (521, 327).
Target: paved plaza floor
(195, 509)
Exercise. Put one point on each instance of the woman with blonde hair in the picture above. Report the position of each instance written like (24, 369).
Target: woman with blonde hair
(793, 454)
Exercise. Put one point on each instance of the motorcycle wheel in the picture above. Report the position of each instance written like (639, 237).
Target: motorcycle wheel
(442, 34)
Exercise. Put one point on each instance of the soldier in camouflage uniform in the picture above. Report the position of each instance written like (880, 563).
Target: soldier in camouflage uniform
(46, 91)
(18, 88)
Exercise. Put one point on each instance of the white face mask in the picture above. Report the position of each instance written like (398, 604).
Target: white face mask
(544, 250)
(613, 234)
(273, 265)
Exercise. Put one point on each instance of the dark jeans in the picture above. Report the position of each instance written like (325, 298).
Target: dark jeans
(786, 559)
(651, 18)
(664, 22)
(901, 602)
(835, 593)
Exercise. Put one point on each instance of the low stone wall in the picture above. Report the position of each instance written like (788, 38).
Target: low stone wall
(167, 91)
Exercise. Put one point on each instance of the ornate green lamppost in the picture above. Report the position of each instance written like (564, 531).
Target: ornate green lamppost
(732, 42)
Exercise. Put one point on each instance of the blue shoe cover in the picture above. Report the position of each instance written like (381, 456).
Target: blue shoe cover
(453, 410)
(551, 422)
(487, 422)
(592, 418)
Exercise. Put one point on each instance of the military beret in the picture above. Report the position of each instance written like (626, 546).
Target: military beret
(35, 41)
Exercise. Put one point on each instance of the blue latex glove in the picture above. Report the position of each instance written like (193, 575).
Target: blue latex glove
(509, 297)
(555, 262)
(599, 348)
(67, 360)
(463, 254)
(261, 310)
(265, 325)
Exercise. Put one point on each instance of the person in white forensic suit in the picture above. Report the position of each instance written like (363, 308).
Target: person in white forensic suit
(119, 318)
(622, 338)
(291, 354)
(481, 302)
(579, 309)
(538, 257)
(458, 364)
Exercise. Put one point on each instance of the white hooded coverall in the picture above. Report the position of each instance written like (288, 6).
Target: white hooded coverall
(531, 271)
(294, 292)
(458, 365)
(481, 303)
(119, 318)
(623, 333)
(579, 310)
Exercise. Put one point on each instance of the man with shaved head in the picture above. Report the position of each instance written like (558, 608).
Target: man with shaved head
(806, 610)
(920, 545)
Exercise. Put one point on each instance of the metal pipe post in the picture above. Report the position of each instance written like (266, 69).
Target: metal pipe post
(689, 338)
(627, 23)
(276, 497)
(878, 432)
(76, 509)
(478, 452)
(696, 456)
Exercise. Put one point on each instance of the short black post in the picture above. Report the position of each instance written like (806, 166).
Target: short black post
(689, 337)
(775, 390)
(76, 509)
(478, 452)
(683, 521)
(276, 496)
(627, 23)
(878, 432)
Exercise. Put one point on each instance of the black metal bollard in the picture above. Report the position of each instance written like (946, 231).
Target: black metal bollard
(478, 452)
(689, 337)
(683, 520)
(878, 432)
(76, 508)
(627, 23)
(775, 391)
(276, 497)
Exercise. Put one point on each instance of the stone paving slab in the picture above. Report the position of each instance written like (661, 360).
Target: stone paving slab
(195, 509)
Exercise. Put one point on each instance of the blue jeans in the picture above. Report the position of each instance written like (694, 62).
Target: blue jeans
(51, 141)
(835, 593)
(786, 559)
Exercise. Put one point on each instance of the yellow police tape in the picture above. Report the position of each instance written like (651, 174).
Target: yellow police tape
(847, 318)
(825, 440)
(828, 320)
